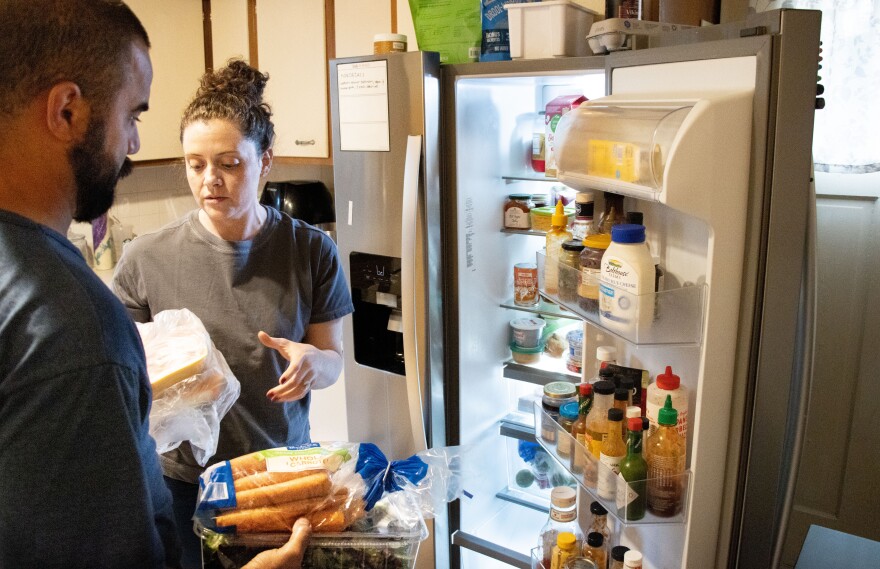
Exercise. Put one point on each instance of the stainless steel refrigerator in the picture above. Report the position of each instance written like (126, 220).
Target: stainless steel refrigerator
(729, 212)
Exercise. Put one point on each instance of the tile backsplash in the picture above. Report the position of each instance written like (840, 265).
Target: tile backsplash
(153, 196)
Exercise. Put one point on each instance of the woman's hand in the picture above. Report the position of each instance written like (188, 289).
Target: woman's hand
(314, 364)
(289, 555)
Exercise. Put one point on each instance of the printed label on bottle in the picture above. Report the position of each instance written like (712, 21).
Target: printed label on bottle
(589, 283)
(619, 282)
(608, 475)
(516, 218)
(626, 494)
(563, 515)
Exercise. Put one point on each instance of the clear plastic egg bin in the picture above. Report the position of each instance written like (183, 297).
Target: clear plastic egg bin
(615, 34)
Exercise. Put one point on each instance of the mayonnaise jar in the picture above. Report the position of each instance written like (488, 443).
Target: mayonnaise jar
(626, 282)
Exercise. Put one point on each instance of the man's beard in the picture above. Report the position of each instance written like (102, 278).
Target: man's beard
(95, 173)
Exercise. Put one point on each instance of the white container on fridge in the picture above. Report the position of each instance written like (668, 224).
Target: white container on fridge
(554, 28)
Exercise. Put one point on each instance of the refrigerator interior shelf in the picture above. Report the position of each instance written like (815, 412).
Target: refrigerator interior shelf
(535, 232)
(529, 178)
(516, 430)
(668, 317)
(532, 373)
(544, 308)
(524, 499)
(676, 488)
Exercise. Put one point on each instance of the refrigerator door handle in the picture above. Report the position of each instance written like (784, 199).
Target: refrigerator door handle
(408, 260)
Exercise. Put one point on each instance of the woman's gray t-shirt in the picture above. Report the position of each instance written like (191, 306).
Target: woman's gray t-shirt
(287, 277)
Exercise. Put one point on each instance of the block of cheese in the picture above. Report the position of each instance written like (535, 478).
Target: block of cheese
(168, 371)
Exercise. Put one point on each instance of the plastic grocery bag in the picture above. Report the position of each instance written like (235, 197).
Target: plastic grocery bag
(193, 387)
(365, 511)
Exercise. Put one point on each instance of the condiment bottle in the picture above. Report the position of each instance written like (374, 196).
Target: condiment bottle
(556, 236)
(556, 394)
(665, 450)
(597, 428)
(579, 428)
(591, 265)
(626, 299)
(621, 401)
(580, 563)
(612, 214)
(570, 274)
(617, 553)
(613, 451)
(583, 216)
(595, 549)
(538, 161)
(632, 559)
(632, 489)
(566, 546)
(568, 414)
(667, 384)
(563, 518)
(599, 522)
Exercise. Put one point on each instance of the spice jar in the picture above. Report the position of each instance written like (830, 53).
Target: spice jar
(556, 394)
(389, 43)
(570, 276)
(516, 211)
(591, 265)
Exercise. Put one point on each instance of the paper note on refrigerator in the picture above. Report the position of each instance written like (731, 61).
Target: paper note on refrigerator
(363, 106)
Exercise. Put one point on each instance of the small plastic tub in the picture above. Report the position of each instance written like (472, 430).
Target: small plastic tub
(527, 331)
(526, 355)
(541, 217)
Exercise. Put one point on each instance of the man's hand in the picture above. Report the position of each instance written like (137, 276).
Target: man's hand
(289, 555)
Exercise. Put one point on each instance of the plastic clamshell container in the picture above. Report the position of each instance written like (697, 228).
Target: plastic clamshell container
(676, 315)
(595, 470)
(553, 28)
(346, 549)
(612, 34)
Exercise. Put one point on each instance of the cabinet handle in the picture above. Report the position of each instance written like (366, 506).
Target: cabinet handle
(305, 142)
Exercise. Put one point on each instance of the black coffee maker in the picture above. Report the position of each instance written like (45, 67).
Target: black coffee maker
(308, 200)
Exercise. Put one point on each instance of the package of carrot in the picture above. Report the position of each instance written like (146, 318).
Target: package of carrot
(365, 510)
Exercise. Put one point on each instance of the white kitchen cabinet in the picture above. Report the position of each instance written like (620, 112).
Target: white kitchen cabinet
(357, 21)
(175, 28)
(291, 47)
(229, 31)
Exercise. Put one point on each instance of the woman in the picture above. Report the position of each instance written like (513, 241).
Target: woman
(269, 289)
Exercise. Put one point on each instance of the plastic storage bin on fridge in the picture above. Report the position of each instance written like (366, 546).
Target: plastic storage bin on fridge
(554, 28)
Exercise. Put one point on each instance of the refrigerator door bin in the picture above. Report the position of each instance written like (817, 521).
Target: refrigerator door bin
(615, 502)
(668, 317)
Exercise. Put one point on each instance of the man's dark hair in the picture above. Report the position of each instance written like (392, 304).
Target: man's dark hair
(44, 42)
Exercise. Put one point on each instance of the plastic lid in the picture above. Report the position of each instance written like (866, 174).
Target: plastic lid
(602, 387)
(575, 337)
(586, 389)
(533, 324)
(634, 424)
(559, 389)
(595, 539)
(566, 540)
(628, 233)
(598, 241)
(635, 217)
(570, 411)
(559, 218)
(615, 414)
(667, 415)
(617, 552)
(606, 373)
(627, 383)
(668, 380)
(514, 347)
(621, 394)
(606, 353)
(634, 411)
(573, 245)
(389, 37)
(597, 509)
(519, 196)
(632, 556)
(583, 197)
(563, 496)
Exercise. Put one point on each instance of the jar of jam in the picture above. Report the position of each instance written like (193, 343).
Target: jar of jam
(556, 394)
(591, 264)
(570, 276)
(516, 211)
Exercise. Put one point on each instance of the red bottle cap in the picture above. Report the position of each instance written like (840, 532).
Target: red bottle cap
(635, 424)
(668, 380)
(585, 388)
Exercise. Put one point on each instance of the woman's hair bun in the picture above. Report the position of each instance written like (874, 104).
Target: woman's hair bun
(236, 78)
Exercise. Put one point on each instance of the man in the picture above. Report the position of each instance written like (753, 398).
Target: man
(80, 483)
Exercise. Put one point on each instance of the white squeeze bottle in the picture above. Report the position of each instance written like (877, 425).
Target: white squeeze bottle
(667, 384)
(626, 282)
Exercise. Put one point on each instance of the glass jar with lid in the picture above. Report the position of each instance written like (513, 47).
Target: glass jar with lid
(516, 211)
(591, 265)
(568, 414)
(556, 394)
(570, 276)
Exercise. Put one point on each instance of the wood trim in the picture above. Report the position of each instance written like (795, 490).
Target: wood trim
(393, 16)
(208, 33)
(329, 53)
(158, 162)
(253, 52)
(300, 161)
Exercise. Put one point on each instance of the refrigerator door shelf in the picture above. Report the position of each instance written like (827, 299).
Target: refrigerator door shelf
(668, 317)
(615, 502)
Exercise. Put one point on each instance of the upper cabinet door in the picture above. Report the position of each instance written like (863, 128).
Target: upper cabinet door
(291, 47)
(357, 21)
(178, 54)
(229, 31)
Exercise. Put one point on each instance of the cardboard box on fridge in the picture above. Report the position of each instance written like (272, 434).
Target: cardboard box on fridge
(554, 111)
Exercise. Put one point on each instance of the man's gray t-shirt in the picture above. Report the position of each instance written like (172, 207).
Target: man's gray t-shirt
(287, 277)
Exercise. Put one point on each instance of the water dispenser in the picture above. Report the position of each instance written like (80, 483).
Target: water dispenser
(377, 319)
